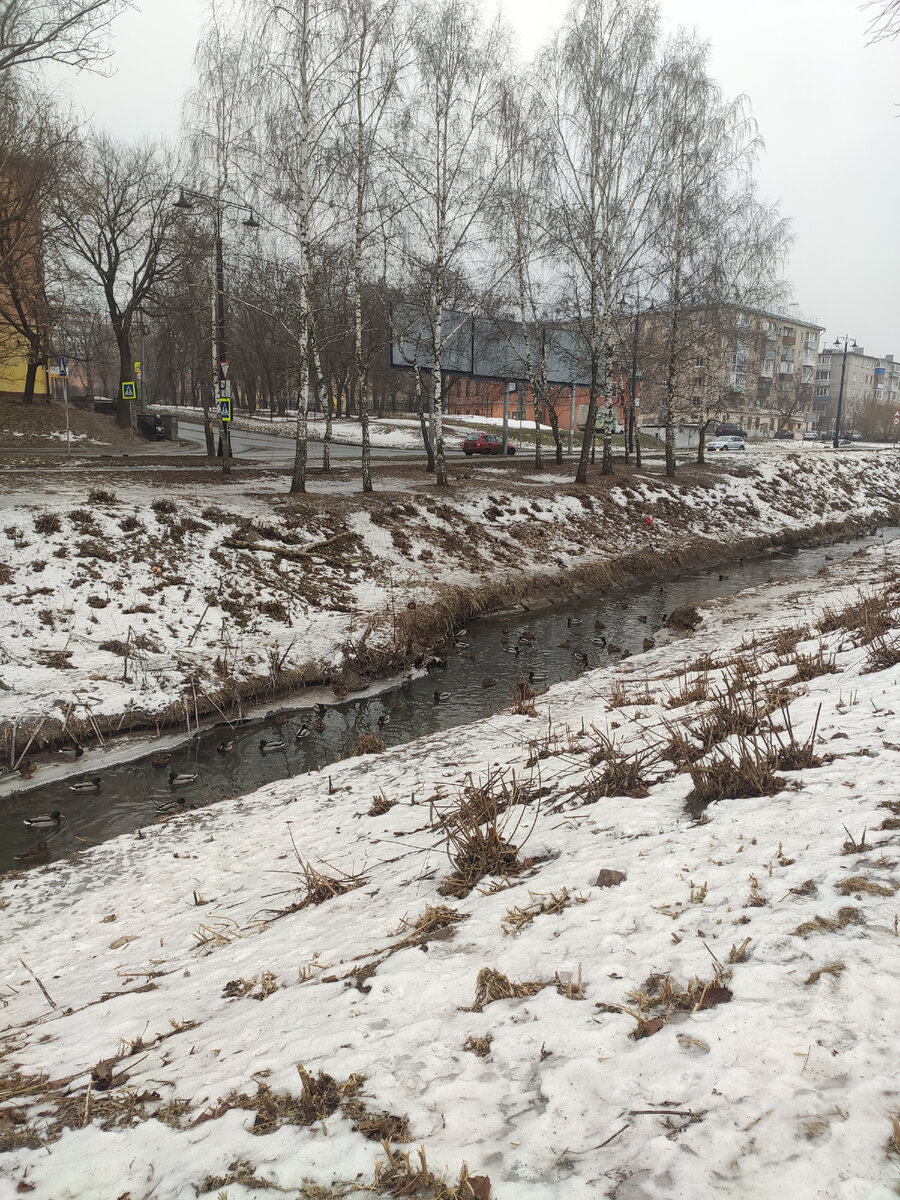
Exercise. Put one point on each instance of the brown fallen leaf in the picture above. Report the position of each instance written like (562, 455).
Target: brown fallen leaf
(715, 995)
(647, 1028)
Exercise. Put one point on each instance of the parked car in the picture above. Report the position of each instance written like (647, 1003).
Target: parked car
(724, 429)
(486, 443)
(785, 435)
(726, 443)
(856, 437)
(810, 436)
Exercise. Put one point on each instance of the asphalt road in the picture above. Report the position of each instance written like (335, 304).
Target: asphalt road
(266, 447)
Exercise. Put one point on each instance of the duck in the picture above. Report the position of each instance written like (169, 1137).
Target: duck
(384, 719)
(160, 760)
(320, 709)
(581, 661)
(598, 624)
(302, 732)
(572, 622)
(75, 751)
(28, 768)
(511, 649)
(461, 645)
(643, 619)
(469, 654)
(224, 747)
(488, 683)
(649, 643)
(611, 649)
(436, 663)
(319, 726)
(86, 785)
(172, 806)
(722, 578)
(270, 747)
(52, 820)
(280, 719)
(536, 676)
(38, 853)
(181, 780)
(460, 633)
(439, 697)
(599, 641)
(565, 645)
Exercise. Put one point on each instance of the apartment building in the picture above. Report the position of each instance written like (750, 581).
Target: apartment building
(752, 367)
(871, 391)
(771, 371)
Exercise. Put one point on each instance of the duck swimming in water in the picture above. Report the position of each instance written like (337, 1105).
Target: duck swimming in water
(270, 747)
(224, 747)
(51, 821)
(38, 853)
(536, 676)
(172, 806)
(440, 697)
(182, 780)
(320, 709)
(86, 785)
(160, 760)
(384, 719)
(302, 732)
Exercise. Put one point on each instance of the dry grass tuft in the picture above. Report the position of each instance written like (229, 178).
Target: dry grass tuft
(811, 666)
(859, 883)
(399, 1174)
(380, 805)
(435, 919)
(479, 1046)
(523, 696)
(882, 654)
(623, 773)
(370, 743)
(518, 917)
(834, 969)
(480, 827)
(692, 691)
(871, 616)
(491, 985)
(786, 640)
(845, 916)
(662, 996)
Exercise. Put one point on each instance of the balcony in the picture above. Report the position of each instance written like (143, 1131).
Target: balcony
(785, 368)
(788, 340)
(767, 369)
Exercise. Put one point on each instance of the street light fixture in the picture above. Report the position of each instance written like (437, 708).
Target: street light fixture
(187, 199)
(837, 346)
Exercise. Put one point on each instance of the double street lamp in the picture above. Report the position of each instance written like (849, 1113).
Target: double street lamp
(837, 346)
(188, 199)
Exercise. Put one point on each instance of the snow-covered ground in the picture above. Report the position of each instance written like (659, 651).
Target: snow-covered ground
(203, 584)
(649, 1001)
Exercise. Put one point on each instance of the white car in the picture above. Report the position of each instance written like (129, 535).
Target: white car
(726, 443)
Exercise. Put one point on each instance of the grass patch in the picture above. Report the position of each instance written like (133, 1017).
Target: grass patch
(479, 1046)
(519, 916)
(859, 883)
(480, 827)
(623, 773)
(492, 985)
(101, 496)
(844, 917)
(380, 805)
(47, 523)
(834, 969)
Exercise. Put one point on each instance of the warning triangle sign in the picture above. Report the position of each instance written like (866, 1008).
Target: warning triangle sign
(223, 367)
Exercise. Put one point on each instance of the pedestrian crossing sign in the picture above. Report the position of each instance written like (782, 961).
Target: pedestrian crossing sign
(224, 408)
(128, 392)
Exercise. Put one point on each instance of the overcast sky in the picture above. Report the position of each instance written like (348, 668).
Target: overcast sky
(826, 104)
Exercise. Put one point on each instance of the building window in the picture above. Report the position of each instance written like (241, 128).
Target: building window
(698, 361)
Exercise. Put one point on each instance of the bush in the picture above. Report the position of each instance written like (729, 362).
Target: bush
(47, 523)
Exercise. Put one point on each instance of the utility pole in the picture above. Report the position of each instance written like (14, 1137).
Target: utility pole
(840, 407)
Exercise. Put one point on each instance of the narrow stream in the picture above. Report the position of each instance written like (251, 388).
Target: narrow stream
(132, 791)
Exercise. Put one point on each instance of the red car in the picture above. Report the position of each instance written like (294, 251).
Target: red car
(486, 443)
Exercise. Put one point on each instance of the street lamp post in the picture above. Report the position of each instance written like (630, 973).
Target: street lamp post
(840, 407)
(221, 362)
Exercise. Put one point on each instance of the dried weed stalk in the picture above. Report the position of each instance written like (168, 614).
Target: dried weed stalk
(519, 916)
(845, 916)
(491, 985)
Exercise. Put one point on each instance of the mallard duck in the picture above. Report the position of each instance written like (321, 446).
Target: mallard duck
(599, 641)
(86, 785)
(27, 768)
(722, 578)
(643, 619)
(182, 780)
(319, 726)
(320, 709)
(565, 645)
(436, 663)
(224, 747)
(172, 806)
(461, 645)
(469, 654)
(488, 683)
(460, 633)
(51, 821)
(73, 752)
(439, 697)
(649, 643)
(536, 676)
(573, 621)
(270, 747)
(384, 719)
(302, 732)
(514, 650)
(581, 661)
(160, 760)
(612, 649)
(38, 853)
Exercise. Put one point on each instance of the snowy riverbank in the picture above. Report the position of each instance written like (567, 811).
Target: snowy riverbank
(132, 603)
(715, 1020)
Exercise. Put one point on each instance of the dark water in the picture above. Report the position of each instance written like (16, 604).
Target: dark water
(131, 791)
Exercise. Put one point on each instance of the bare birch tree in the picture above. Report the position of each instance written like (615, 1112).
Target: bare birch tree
(446, 161)
(71, 32)
(601, 104)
